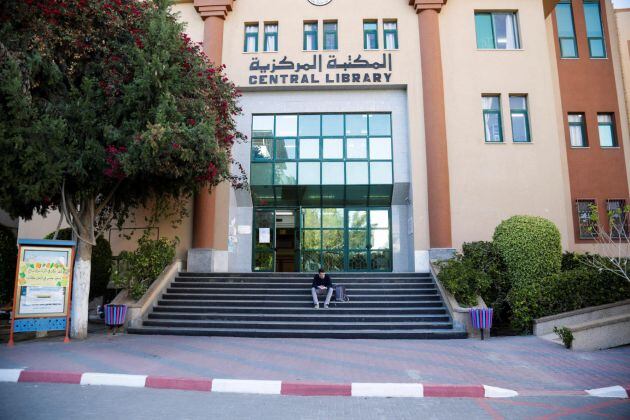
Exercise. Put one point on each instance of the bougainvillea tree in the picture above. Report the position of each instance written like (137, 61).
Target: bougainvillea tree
(105, 107)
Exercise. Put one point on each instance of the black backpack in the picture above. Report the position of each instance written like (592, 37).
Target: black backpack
(340, 294)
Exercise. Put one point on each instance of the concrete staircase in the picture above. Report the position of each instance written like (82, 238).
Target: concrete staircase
(382, 305)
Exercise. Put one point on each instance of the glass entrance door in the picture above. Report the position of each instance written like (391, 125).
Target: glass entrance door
(264, 236)
(369, 239)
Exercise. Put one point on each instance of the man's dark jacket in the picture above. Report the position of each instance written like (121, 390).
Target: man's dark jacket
(322, 282)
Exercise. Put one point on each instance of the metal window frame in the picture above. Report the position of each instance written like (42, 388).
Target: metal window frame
(329, 32)
(493, 112)
(589, 236)
(390, 31)
(624, 226)
(582, 126)
(516, 29)
(561, 38)
(613, 133)
(271, 35)
(314, 33)
(524, 111)
(251, 35)
(601, 38)
(367, 32)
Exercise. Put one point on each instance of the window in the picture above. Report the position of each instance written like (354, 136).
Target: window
(390, 34)
(310, 36)
(271, 37)
(492, 118)
(370, 35)
(566, 30)
(594, 30)
(520, 119)
(618, 216)
(331, 41)
(606, 127)
(577, 130)
(585, 210)
(497, 31)
(251, 37)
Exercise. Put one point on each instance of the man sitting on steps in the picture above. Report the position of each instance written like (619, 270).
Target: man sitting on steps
(321, 281)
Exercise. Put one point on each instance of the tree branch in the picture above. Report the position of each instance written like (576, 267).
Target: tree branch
(109, 196)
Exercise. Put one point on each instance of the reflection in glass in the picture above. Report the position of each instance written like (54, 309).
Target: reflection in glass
(333, 239)
(357, 239)
(309, 125)
(312, 218)
(310, 261)
(381, 148)
(357, 218)
(262, 126)
(380, 125)
(332, 125)
(333, 261)
(333, 148)
(380, 172)
(286, 173)
(333, 218)
(379, 239)
(262, 149)
(356, 125)
(286, 125)
(311, 239)
(380, 260)
(357, 260)
(261, 174)
(379, 219)
(285, 149)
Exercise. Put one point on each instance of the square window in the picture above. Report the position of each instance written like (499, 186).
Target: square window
(380, 125)
(262, 149)
(312, 218)
(262, 126)
(309, 148)
(379, 219)
(332, 173)
(356, 148)
(380, 173)
(332, 125)
(333, 218)
(497, 30)
(286, 125)
(285, 149)
(308, 173)
(309, 125)
(380, 148)
(356, 125)
(333, 148)
(312, 239)
(285, 173)
(261, 174)
(357, 173)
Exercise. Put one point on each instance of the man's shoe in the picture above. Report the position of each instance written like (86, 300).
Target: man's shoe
(316, 306)
(325, 306)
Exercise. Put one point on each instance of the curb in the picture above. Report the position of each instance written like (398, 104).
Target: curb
(355, 389)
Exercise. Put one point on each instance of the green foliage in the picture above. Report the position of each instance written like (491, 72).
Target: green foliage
(530, 247)
(101, 270)
(565, 335)
(463, 280)
(139, 269)
(563, 292)
(8, 259)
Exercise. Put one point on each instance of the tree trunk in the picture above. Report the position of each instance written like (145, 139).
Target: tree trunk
(81, 290)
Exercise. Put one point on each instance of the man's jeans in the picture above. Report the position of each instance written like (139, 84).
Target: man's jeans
(328, 296)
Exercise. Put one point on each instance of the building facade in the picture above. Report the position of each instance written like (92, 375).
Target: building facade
(385, 133)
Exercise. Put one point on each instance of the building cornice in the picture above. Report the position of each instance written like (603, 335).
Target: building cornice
(216, 8)
(420, 5)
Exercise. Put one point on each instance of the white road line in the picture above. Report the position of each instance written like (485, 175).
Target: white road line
(360, 389)
(494, 392)
(113, 379)
(246, 386)
(608, 392)
(10, 375)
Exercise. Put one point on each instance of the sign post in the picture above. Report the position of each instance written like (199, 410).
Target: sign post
(43, 286)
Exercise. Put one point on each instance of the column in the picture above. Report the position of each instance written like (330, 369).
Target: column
(211, 209)
(434, 122)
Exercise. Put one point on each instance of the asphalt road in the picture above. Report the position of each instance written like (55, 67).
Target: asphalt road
(58, 401)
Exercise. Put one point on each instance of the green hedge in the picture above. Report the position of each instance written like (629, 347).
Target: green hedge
(8, 259)
(530, 247)
(101, 270)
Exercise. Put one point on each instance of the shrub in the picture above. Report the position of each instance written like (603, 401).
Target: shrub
(140, 268)
(565, 335)
(530, 247)
(463, 280)
(8, 259)
(101, 270)
(563, 292)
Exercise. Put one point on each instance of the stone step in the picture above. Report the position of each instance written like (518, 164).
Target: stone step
(295, 325)
(296, 292)
(302, 304)
(320, 315)
(334, 309)
(417, 334)
(290, 280)
(301, 296)
(304, 285)
(357, 274)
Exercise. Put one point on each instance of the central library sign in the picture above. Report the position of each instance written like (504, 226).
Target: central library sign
(321, 70)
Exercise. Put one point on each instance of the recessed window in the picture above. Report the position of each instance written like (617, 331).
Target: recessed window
(606, 126)
(310, 36)
(586, 212)
(251, 37)
(497, 31)
(390, 34)
(331, 41)
(618, 214)
(566, 30)
(491, 105)
(520, 119)
(594, 29)
(370, 35)
(271, 37)
(577, 130)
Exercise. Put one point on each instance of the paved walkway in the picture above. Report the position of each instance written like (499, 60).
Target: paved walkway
(526, 364)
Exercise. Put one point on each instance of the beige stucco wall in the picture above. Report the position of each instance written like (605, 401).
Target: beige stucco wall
(491, 182)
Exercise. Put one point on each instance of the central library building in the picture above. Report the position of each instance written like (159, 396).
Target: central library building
(382, 134)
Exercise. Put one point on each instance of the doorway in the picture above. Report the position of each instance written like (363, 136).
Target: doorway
(276, 240)
(286, 241)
